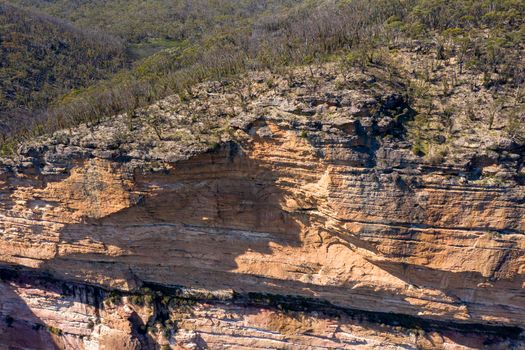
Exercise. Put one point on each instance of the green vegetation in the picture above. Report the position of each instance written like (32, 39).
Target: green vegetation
(42, 58)
(54, 330)
(139, 21)
(208, 39)
(68, 59)
(114, 297)
(484, 35)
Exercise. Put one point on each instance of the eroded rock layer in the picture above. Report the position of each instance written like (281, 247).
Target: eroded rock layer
(304, 193)
(49, 314)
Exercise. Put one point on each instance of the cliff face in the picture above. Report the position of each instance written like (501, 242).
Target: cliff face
(293, 187)
(50, 314)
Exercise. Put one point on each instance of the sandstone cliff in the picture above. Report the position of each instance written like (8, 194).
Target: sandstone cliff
(307, 209)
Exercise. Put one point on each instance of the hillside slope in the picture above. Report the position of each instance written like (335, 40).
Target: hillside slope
(43, 58)
(483, 36)
(137, 21)
(53, 71)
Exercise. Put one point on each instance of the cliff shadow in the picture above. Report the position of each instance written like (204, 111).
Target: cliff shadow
(190, 225)
(39, 312)
(20, 327)
(468, 287)
(188, 228)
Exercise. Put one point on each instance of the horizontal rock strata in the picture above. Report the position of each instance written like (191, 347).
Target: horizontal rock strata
(302, 193)
(40, 313)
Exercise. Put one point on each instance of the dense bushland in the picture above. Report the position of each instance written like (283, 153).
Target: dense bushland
(485, 36)
(42, 58)
(155, 21)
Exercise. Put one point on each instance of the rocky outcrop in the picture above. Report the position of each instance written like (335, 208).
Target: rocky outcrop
(288, 189)
(49, 314)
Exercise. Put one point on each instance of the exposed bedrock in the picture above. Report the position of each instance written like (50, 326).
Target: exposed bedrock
(43, 313)
(289, 210)
(307, 200)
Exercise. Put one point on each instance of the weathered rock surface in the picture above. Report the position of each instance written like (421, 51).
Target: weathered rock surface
(47, 314)
(293, 190)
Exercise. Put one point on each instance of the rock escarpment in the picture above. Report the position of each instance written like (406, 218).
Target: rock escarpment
(52, 314)
(306, 186)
